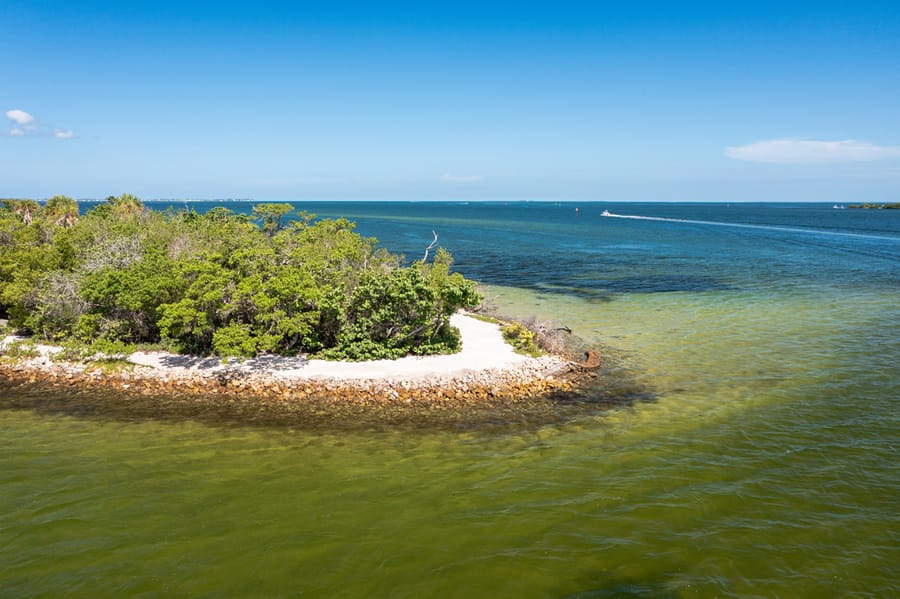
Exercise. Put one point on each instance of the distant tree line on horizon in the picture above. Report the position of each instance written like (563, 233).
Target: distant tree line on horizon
(870, 206)
(219, 283)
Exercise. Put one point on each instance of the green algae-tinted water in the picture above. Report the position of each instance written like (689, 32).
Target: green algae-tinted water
(746, 444)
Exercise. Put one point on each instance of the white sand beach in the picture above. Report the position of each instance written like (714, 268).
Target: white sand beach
(483, 348)
(486, 369)
(484, 356)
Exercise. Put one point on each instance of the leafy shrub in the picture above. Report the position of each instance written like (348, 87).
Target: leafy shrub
(236, 339)
(521, 339)
(55, 306)
(387, 316)
(220, 283)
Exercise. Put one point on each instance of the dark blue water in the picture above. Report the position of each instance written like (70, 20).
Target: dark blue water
(571, 248)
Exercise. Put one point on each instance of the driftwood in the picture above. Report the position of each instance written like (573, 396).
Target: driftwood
(591, 359)
(430, 247)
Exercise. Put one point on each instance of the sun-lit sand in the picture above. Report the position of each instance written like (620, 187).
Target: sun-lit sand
(485, 366)
(483, 348)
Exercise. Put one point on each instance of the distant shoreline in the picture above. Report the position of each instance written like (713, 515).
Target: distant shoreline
(876, 206)
(470, 201)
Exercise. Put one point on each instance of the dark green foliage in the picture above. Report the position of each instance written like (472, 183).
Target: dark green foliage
(871, 206)
(388, 316)
(271, 215)
(219, 283)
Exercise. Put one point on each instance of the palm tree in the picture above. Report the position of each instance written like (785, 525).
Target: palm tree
(126, 204)
(26, 209)
(62, 211)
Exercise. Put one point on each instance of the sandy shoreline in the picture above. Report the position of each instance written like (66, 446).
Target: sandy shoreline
(485, 368)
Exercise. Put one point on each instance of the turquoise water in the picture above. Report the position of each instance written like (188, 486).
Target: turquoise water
(741, 441)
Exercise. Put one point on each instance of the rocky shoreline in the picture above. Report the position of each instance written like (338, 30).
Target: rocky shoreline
(484, 372)
(540, 377)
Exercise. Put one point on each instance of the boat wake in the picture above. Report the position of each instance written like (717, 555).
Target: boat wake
(609, 214)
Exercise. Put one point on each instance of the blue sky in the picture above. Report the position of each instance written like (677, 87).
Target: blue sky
(717, 101)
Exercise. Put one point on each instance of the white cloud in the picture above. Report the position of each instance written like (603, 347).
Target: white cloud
(802, 151)
(24, 124)
(19, 117)
(448, 178)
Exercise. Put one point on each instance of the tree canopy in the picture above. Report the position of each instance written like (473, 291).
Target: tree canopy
(220, 283)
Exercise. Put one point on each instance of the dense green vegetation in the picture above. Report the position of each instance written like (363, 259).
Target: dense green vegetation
(219, 283)
(887, 206)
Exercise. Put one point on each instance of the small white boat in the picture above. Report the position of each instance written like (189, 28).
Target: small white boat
(605, 213)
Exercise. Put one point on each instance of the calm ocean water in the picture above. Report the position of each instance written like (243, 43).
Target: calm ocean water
(742, 441)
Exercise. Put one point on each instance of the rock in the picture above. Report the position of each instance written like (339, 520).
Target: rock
(541, 377)
(591, 359)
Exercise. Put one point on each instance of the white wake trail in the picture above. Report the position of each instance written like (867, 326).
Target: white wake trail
(745, 226)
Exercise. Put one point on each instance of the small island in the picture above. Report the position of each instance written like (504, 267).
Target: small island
(275, 304)
(872, 206)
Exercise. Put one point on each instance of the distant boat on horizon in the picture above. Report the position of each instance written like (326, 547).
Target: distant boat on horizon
(839, 207)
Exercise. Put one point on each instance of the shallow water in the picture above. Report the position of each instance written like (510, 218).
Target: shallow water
(743, 441)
